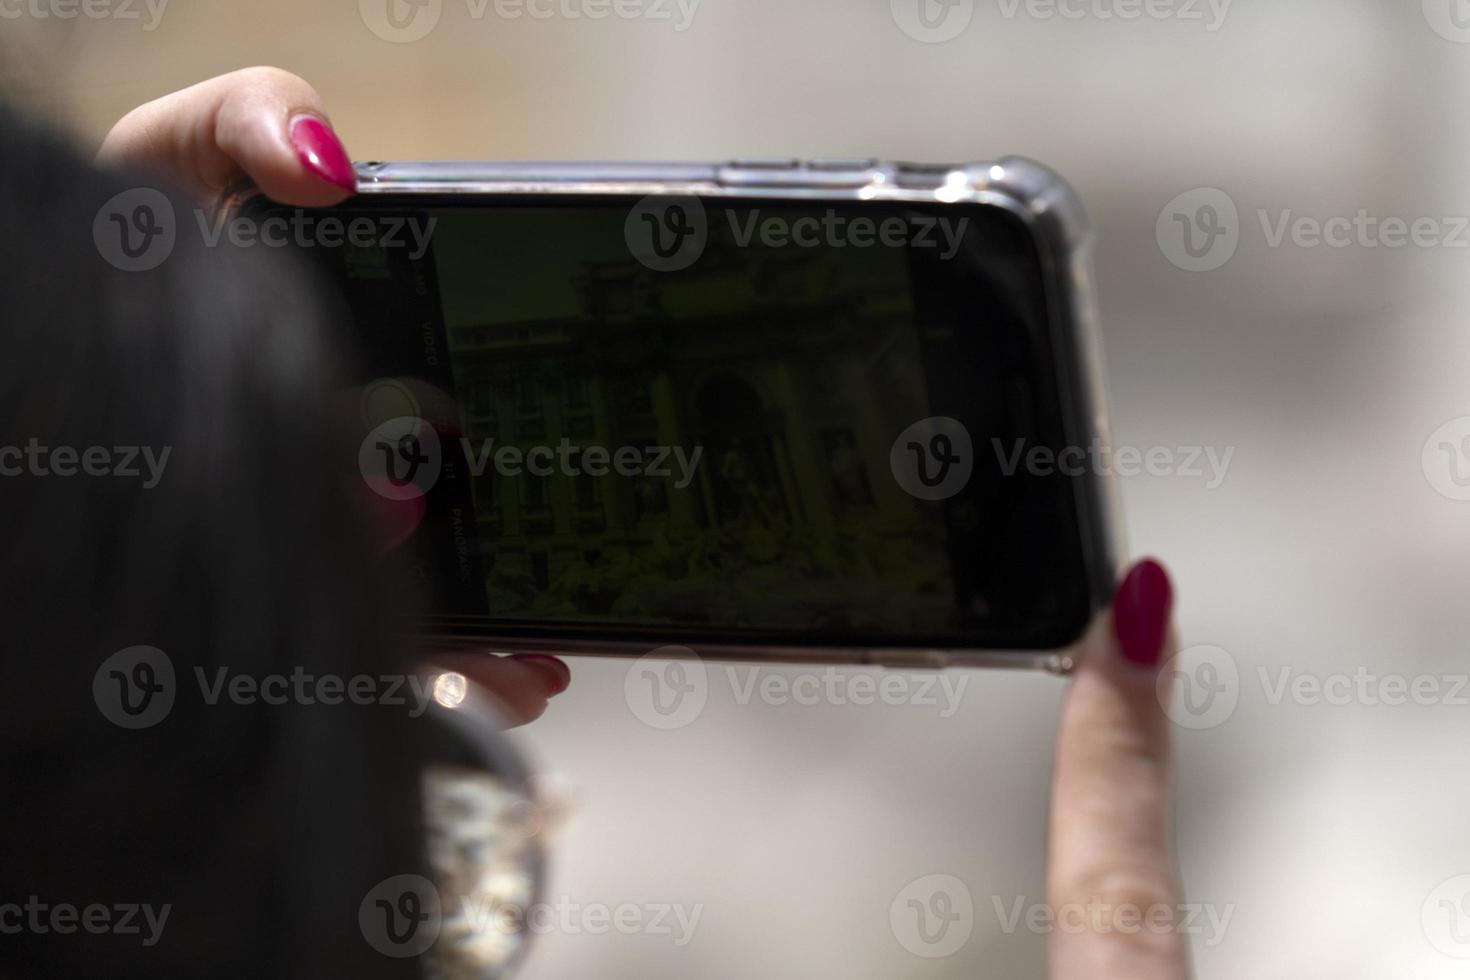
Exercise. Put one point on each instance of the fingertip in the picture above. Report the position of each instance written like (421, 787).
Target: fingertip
(320, 151)
(270, 123)
(557, 673)
(1142, 607)
(521, 687)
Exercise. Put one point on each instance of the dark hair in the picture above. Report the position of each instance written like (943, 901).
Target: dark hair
(262, 826)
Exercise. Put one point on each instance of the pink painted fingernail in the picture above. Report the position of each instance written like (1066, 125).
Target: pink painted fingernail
(1141, 612)
(321, 152)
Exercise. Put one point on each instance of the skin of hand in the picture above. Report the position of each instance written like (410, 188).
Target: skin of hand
(267, 127)
(1110, 840)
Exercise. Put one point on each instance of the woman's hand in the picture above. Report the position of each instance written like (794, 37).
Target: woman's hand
(261, 124)
(1111, 846)
(267, 127)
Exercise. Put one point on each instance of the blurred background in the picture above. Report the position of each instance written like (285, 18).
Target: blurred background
(1330, 828)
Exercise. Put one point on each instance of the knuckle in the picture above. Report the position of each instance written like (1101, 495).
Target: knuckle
(1128, 888)
(1132, 910)
(269, 77)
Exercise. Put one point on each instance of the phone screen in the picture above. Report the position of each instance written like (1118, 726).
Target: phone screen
(770, 421)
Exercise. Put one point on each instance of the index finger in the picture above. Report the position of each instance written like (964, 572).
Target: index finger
(1111, 878)
(262, 123)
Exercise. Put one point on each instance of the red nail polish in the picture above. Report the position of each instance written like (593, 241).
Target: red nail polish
(1141, 612)
(320, 150)
(557, 671)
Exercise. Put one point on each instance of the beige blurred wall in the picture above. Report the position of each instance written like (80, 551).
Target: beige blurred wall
(1326, 549)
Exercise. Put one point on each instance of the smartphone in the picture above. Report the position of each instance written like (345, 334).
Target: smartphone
(766, 409)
